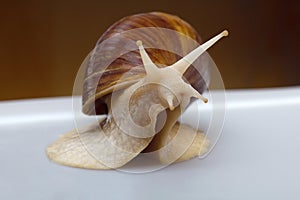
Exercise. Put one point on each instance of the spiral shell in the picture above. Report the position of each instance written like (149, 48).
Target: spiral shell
(106, 68)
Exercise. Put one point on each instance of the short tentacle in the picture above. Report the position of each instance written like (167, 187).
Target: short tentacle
(148, 64)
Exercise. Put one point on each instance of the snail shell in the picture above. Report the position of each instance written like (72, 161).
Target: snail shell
(101, 80)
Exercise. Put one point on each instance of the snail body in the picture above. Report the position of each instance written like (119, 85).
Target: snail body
(143, 92)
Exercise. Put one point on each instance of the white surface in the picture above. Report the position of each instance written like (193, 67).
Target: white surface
(257, 156)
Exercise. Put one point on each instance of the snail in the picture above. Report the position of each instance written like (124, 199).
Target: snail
(142, 91)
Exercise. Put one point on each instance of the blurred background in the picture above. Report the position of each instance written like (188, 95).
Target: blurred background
(42, 43)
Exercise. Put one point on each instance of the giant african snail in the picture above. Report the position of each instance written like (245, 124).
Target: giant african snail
(142, 91)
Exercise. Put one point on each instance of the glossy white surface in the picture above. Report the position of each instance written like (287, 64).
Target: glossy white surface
(257, 156)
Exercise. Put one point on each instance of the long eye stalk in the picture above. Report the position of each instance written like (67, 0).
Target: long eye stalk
(183, 64)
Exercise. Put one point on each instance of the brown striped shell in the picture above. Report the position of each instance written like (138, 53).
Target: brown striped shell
(107, 64)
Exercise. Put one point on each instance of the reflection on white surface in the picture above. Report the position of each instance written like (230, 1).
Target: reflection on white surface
(32, 118)
(33, 111)
(264, 101)
(257, 156)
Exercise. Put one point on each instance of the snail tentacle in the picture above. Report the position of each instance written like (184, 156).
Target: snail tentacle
(150, 67)
(183, 64)
(169, 77)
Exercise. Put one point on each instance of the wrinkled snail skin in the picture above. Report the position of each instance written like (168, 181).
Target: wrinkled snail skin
(157, 93)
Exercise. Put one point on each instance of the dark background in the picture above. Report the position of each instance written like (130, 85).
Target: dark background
(42, 43)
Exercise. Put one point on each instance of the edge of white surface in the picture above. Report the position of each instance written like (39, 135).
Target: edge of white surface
(56, 108)
(35, 110)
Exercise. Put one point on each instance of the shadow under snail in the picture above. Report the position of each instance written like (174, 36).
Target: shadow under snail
(142, 92)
